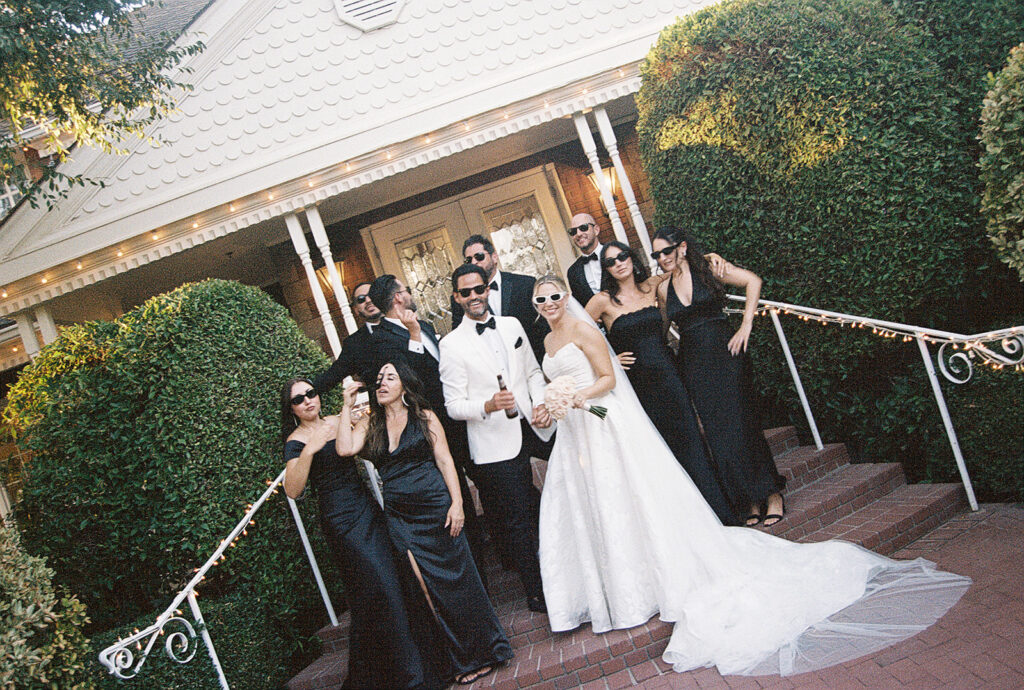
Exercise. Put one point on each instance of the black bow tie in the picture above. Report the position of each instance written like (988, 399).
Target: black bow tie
(481, 327)
(590, 257)
(494, 285)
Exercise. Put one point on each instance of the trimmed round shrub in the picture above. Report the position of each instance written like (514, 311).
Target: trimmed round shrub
(820, 145)
(41, 639)
(1002, 163)
(150, 436)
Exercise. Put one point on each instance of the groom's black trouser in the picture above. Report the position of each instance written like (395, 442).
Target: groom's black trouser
(511, 507)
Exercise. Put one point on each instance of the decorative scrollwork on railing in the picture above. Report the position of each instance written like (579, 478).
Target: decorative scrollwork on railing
(180, 646)
(958, 366)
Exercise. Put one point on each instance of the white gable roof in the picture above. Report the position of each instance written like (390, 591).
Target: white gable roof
(286, 90)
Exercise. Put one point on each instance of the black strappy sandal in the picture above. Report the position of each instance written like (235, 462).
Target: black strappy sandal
(776, 516)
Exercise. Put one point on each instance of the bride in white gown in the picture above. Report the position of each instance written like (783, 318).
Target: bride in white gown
(625, 535)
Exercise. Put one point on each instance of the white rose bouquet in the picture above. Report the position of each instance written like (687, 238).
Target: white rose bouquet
(558, 399)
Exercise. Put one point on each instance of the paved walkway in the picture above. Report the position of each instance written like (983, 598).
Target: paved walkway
(978, 644)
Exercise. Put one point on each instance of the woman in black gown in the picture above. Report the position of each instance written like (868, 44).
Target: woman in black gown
(717, 371)
(382, 653)
(627, 306)
(423, 508)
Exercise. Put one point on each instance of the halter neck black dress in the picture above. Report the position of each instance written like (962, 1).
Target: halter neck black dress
(416, 503)
(664, 398)
(382, 651)
(722, 388)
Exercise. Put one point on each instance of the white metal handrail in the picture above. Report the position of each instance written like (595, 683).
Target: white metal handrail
(958, 369)
(120, 659)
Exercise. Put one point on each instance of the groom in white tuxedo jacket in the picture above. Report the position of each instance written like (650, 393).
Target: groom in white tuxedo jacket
(473, 355)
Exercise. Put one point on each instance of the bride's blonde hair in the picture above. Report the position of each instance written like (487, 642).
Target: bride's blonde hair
(550, 279)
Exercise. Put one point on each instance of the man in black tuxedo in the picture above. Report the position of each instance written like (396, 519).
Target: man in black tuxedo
(585, 273)
(401, 335)
(354, 349)
(511, 293)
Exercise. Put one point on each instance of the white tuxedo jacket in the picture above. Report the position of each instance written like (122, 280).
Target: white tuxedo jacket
(469, 374)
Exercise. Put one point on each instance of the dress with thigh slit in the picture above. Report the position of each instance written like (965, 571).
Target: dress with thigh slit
(382, 651)
(416, 503)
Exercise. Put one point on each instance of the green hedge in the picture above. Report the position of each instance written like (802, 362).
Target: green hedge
(1002, 164)
(150, 435)
(821, 145)
(245, 639)
(41, 639)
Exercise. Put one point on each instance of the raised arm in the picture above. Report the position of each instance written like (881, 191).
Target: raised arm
(443, 459)
(751, 283)
(350, 439)
(593, 345)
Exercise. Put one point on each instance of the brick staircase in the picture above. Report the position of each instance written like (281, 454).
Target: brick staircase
(826, 498)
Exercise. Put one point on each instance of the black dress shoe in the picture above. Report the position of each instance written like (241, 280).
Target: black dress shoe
(536, 604)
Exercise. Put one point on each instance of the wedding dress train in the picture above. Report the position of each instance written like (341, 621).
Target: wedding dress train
(625, 535)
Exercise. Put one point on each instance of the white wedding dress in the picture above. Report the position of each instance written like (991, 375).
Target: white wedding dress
(625, 535)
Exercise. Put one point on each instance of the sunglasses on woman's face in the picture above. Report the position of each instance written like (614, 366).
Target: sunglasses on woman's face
(664, 252)
(610, 261)
(475, 290)
(554, 297)
(478, 257)
(310, 394)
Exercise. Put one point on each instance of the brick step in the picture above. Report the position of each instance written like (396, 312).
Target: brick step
(335, 638)
(838, 494)
(893, 521)
(326, 673)
(781, 439)
(806, 464)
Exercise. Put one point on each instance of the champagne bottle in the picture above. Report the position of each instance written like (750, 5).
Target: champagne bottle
(512, 413)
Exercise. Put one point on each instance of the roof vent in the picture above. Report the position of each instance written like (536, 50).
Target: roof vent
(367, 15)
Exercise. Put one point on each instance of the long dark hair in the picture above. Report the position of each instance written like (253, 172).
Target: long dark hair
(699, 266)
(288, 423)
(609, 284)
(377, 443)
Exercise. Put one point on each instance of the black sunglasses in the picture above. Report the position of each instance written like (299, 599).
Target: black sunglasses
(361, 298)
(579, 228)
(476, 290)
(310, 394)
(554, 297)
(479, 256)
(610, 261)
(664, 252)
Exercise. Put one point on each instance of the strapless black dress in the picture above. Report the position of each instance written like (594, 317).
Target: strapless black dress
(382, 651)
(664, 398)
(416, 503)
(722, 388)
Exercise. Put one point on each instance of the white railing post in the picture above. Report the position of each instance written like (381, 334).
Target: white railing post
(205, 634)
(796, 379)
(312, 561)
(302, 249)
(590, 149)
(948, 423)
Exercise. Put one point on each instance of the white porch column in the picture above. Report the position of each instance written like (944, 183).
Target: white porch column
(590, 149)
(322, 243)
(302, 249)
(47, 327)
(27, 331)
(604, 126)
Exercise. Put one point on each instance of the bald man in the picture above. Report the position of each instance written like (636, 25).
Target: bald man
(585, 273)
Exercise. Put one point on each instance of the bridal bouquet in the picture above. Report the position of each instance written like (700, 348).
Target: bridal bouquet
(558, 399)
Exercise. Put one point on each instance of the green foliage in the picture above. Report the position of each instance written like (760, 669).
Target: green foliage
(149, 436)
(83, 70)
(1002, 163)
(821, 145)
(41, 640)
(247, 643)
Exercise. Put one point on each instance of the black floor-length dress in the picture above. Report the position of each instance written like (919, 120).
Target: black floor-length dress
(722, 389)
(664, 398)
(416, 503)
(382, 651)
